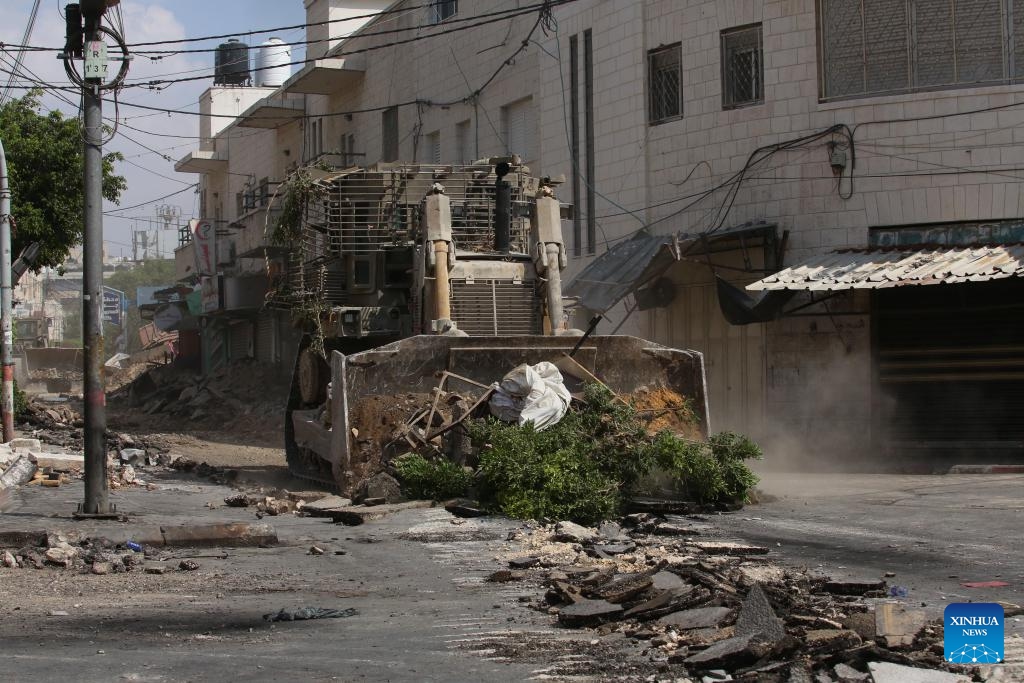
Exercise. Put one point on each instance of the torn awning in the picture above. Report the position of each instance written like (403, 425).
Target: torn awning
(878, 268)
(624, 267)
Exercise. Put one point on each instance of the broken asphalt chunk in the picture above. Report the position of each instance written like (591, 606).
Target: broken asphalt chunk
(827, 641)
(702, 617)
(588, 612)
(523, 562)
(731, 653)
(310, 613)
(465, 508)
(729, 548)
(853, 586)
(757, 617)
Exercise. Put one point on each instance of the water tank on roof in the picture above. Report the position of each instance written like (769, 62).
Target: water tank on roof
(232, 64)
(273, 63)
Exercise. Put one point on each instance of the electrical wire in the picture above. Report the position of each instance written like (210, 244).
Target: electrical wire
(17, 62)
(345, 53)
(114, 212)
(359, 33)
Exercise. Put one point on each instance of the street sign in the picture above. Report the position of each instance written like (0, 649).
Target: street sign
(114, 305)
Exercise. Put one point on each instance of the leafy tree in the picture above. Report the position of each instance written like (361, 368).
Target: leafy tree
(44, 162)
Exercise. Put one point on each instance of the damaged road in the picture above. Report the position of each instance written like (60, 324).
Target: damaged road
(426, 595)
(933, 533)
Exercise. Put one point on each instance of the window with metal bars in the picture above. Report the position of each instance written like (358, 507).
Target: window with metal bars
(665, 81)
(871, 47)
(742, 67)
(442, 9)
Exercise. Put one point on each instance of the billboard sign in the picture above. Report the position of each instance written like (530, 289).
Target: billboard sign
(115, 305)
(204, 236)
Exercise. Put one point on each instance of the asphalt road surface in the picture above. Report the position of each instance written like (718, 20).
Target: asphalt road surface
(934, 532)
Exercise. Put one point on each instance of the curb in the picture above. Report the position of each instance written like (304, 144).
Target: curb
(184, 536)
(986, 469)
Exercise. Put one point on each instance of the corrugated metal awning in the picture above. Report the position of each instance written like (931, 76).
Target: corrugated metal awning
(880, 268)
(617, 272)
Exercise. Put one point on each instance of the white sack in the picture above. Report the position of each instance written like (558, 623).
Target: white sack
(531, 393)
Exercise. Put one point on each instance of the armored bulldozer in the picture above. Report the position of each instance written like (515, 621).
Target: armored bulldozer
(407, 274)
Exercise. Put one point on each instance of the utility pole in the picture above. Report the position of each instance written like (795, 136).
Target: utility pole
(6, 352)
(92, 83)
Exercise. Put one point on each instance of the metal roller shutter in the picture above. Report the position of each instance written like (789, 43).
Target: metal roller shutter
(241, 340)
(950, 368)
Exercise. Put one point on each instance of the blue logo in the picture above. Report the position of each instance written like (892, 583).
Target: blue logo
(974, 632)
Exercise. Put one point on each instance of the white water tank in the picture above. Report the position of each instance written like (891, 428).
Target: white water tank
(273, 63)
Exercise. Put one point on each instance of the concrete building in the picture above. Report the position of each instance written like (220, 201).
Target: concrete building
(342, 111)
(889, 128)
(730, 138)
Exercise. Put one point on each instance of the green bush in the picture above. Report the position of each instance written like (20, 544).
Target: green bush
(584, 467)
(20, 401)
(424, 479)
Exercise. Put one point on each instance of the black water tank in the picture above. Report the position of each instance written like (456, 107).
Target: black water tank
(232, 64)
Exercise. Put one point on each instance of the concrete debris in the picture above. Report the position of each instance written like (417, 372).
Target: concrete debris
(381, 485)
(9, 560)
(886, 672)
(718, 605)
(570, 532)
(18, 472)
(847, 674)
(897, 625)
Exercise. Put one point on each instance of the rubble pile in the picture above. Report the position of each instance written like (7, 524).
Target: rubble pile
(55, 423)
(70, 552)
(42, 374)
(703, 607)
(245, 397)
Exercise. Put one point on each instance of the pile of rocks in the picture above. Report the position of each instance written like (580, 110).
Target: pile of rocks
(246, 395)
(85, 555)
(703, 608)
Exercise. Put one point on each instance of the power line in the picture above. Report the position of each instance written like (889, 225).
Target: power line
(114, 212)
(358, 33)
(545, 7)
(17, 61)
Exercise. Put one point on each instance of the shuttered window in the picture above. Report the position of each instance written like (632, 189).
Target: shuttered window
(873, 47)
(464, 148)
(432, 150)
(519, 134)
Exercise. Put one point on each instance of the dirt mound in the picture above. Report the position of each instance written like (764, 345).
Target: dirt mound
(246, 399)
(666, 409)
(377, 421)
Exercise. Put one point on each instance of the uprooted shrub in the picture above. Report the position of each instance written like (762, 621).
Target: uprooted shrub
(424, 479)
(585, 467)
